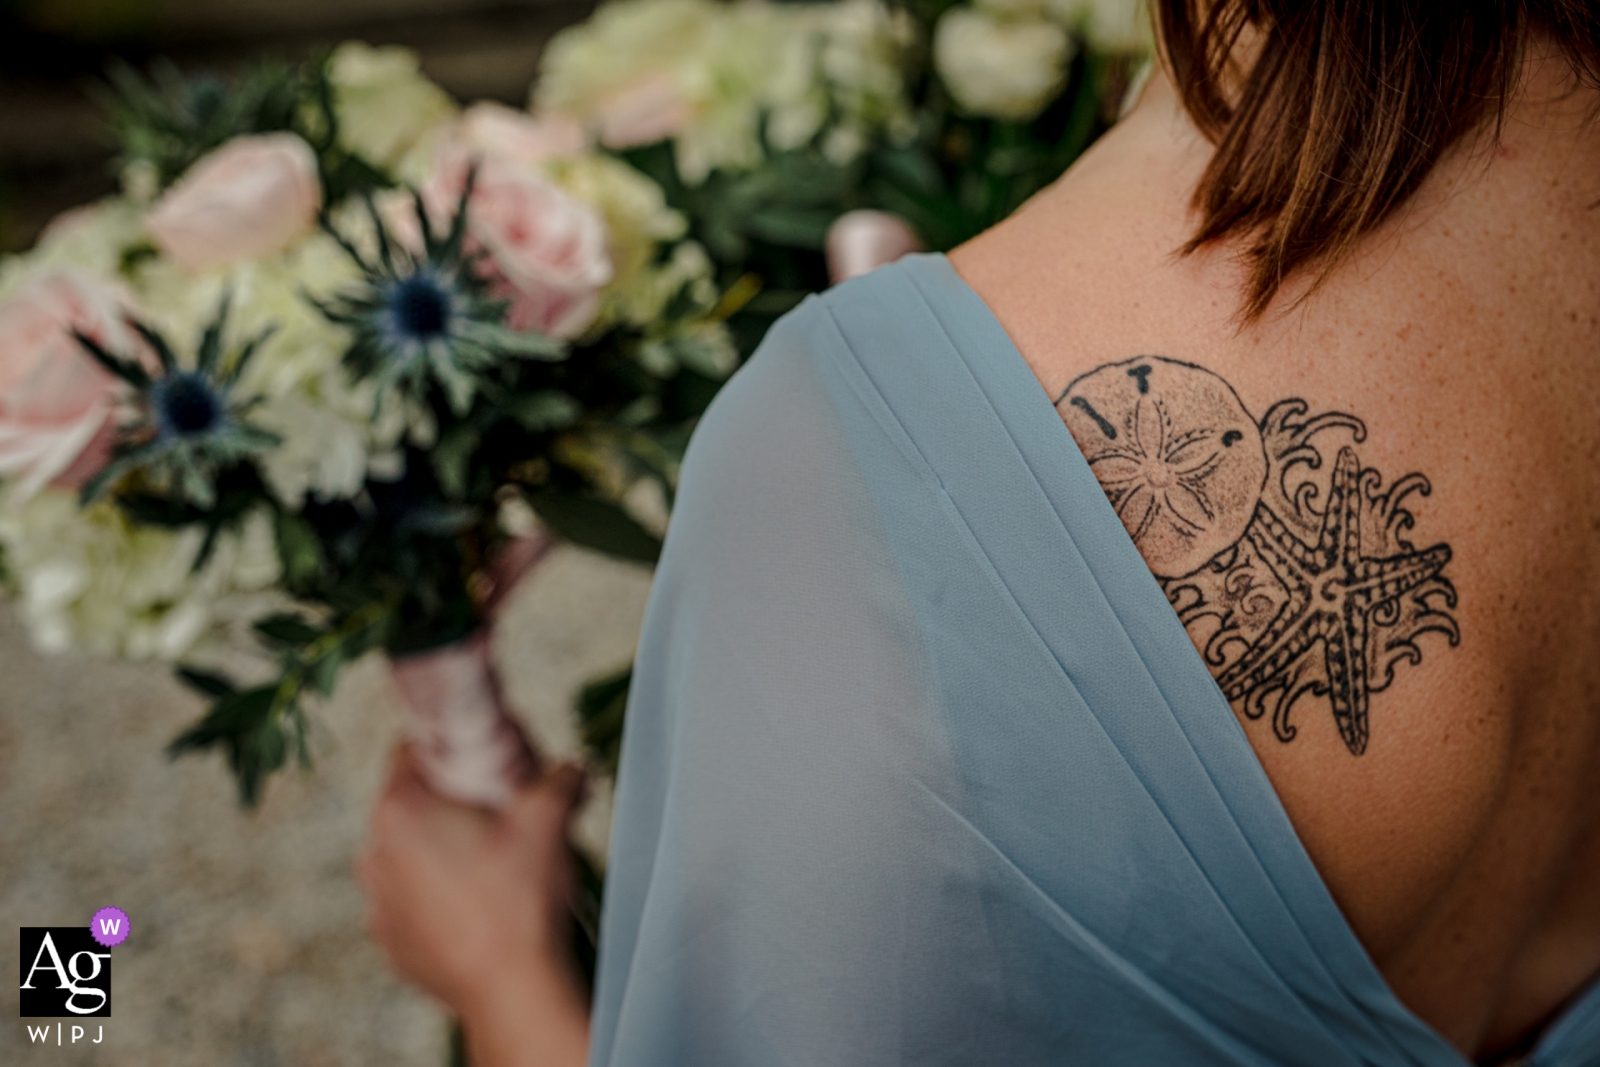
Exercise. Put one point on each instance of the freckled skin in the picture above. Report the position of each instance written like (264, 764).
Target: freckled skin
(1463, 844)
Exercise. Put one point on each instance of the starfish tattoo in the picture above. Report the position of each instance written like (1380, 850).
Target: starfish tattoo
(1333, 590)
(1284, 599)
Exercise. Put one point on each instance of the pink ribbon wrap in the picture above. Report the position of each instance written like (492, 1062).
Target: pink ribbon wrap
(859, 241)
(469, 745)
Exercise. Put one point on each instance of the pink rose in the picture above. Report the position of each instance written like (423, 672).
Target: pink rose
(860, 241)
(648, 110)
(55, 401)
(546, 251)
(250, 198)
(491, 129)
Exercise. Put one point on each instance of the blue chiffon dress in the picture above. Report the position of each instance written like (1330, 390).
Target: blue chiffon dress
(921, 767)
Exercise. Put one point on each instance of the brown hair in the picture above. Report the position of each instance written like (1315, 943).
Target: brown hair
(1346, 108)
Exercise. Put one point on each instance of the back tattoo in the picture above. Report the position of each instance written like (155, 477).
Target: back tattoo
(1293, 581)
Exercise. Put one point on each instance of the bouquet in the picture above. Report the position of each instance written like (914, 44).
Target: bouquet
(324, 380)
(343, 357)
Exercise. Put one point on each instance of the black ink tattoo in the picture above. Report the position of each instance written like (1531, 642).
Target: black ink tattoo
(1286, 595)
(1105, 427)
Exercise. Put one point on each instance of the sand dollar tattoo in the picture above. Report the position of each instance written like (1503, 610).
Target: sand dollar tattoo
(1317, 591)
(1175, 451)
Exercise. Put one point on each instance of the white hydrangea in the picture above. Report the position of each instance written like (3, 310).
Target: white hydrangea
(92, 239)
(1000, 69)
(619, 72)
(1107, 25)
(707, 74)
(386, 108)
(862, 59)
(688, 268)
(90, 579)
(303, 392)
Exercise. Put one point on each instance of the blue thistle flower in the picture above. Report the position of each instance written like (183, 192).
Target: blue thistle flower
(188, 427)
(427, 319)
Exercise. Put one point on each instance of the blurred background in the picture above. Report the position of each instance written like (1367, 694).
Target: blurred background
(54, 151)
(248, 948)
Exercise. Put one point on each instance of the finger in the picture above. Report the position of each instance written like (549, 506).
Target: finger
(407, 784)
(550, 800)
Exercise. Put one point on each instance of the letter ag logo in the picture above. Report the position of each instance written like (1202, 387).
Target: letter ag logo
(66, 974)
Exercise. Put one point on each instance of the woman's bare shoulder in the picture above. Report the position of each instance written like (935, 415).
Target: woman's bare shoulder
(1375, 513)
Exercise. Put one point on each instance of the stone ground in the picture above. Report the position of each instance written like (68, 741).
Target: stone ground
(247, 947)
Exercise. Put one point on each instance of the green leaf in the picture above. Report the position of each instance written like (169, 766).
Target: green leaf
(775, 302)
(438, 520)
(457, 384)
(163, 351)
(109, 475)
(206, 683)
(130, 372)
(229, 717)
(792, 227)
(544, 411)
(451, 457)
(211, 339)
(911, 169)
(602, 706)
(511, 342)
(299, 550)
(597, 524)
(287, 629)
(325, 675)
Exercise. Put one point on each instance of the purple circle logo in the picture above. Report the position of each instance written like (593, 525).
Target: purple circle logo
(109, 926)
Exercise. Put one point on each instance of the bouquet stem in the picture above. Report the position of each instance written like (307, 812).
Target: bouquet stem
(469, 746)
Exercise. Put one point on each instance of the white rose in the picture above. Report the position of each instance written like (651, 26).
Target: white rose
(1000, 70)
(384, 105)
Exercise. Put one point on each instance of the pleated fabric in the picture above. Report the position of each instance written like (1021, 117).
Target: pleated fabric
(920, 765)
